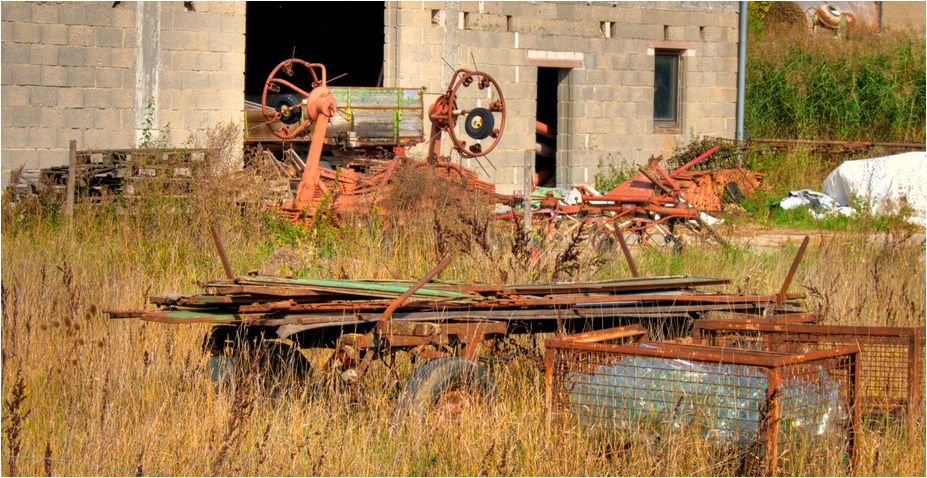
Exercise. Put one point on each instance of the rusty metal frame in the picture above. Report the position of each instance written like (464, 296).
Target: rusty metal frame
(772, 364)
(652, 191)
(910, 340)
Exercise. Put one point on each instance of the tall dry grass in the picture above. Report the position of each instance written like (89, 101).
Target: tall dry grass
(100, 396)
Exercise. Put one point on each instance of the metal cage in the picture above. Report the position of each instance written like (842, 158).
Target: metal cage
(756, 404)
(891, 378)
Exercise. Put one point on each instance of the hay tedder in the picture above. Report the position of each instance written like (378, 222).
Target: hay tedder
(361, 117)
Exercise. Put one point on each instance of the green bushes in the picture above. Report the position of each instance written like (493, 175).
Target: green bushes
(870, 89)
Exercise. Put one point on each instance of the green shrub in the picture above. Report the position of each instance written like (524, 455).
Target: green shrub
(612, 171)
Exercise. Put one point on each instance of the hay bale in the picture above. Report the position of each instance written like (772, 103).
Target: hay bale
(786, 16)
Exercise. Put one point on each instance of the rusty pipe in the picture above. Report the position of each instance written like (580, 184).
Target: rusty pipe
(383, 322)
(696, 160)
(788, 278)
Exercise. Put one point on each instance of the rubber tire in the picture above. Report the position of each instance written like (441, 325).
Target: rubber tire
(222, 369)
(430, 381)
(280, 358)
(734, 192)
(277, 360)
(488, 123)
(289, 100)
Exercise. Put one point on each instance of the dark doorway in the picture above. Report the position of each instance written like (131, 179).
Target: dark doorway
(545, 163)
(346, 37)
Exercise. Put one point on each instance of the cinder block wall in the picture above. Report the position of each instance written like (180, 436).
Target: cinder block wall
(606, 99)
(85, 71)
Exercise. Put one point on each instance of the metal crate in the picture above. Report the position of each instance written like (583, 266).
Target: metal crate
(756, 404)
(891, 378)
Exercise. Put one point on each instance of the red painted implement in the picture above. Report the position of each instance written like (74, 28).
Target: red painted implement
(359, 187)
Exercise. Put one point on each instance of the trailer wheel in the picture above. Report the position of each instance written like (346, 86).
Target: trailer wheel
(222, 368)
(280, 363)
(283, 362)
(444, 385)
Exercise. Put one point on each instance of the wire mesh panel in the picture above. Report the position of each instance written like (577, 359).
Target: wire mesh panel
(892, 358)
(755, 404)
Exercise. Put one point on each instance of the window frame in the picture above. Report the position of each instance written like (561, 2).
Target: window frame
(674, 123)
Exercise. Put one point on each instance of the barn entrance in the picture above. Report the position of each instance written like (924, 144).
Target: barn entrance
(547, 125)
(346, 37)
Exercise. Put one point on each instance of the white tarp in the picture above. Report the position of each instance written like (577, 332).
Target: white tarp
(882, 184)
(822, 205)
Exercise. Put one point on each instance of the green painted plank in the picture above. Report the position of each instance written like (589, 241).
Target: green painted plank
(355, 285)
(190, 316)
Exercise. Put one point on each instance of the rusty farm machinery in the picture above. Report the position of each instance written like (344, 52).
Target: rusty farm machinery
(350, 119)
(373, 117)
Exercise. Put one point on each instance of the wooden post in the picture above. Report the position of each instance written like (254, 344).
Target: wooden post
(529, 187)
(72, 166)
(626, 251)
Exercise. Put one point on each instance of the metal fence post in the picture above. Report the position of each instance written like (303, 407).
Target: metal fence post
(913, 385)
(529, 187)
(772, 421)
(72, 165)
(853, 404)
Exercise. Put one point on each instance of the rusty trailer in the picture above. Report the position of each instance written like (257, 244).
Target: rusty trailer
(761, 406)
(453, 323)
(892, 376)
(457, 325)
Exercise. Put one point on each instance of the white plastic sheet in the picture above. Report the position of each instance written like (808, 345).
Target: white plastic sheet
(881, 185)
(805, 197)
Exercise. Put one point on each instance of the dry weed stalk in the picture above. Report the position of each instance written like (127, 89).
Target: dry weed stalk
(47, 461)
(241, 409)
(16, 415)
(138, 463)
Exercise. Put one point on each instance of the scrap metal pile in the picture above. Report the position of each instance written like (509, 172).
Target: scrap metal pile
(652, 199)
(320, 303)
(99, 172)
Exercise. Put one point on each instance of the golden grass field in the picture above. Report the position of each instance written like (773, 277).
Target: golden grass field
(86, 395)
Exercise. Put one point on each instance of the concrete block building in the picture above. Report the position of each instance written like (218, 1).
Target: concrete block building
(612, 79)
(102, 72)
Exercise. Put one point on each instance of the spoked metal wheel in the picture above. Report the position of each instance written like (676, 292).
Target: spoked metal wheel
(480, 122)
(290, 114)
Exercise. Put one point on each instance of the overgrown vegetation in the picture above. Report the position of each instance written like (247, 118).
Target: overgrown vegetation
(612, 171)
(870, 88)
(84, 394)
(727, 156)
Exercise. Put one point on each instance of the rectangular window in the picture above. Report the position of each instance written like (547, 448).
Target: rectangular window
(666, 89)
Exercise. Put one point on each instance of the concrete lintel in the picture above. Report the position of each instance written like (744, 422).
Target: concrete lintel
(689, 47)
(556, 59)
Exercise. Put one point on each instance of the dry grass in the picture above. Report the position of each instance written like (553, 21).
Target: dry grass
(135, 397)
